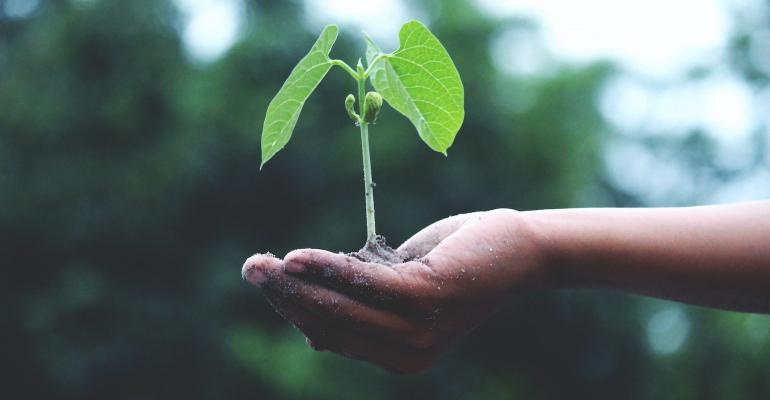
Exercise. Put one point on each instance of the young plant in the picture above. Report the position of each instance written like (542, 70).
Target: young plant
(419, 80)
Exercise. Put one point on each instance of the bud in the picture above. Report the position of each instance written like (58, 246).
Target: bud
(350, 101)
(360, 68)
(372, 105)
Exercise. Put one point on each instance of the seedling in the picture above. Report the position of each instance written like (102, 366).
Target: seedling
(419, 80)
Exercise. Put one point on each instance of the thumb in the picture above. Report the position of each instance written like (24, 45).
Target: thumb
(429, 237)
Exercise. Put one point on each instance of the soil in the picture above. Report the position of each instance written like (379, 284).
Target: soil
(379, 252)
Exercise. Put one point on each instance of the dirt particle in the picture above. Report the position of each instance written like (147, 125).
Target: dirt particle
(379, 252)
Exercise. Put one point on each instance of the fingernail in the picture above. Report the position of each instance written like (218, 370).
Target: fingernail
(253, 275)
(293, 267)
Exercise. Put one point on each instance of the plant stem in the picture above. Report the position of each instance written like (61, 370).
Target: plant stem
(374, 61)
(368, 185)
(346, 67)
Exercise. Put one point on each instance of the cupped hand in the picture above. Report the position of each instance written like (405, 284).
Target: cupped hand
(404, 316)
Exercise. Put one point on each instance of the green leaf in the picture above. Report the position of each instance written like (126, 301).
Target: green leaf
(421, 82)
(284, 109)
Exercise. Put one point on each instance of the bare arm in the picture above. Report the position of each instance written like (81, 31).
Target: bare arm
(716, 256)
(404, 316)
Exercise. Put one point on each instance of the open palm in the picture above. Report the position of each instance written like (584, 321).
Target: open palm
(404, 316)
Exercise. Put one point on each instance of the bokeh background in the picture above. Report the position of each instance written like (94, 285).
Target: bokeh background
(130, 192)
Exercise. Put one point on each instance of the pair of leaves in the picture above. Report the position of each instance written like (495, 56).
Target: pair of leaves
(419, 80)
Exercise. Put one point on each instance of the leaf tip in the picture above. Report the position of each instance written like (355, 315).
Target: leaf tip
(265, 159)
(331, 30)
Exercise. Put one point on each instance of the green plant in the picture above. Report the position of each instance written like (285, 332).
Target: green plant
(419, 80)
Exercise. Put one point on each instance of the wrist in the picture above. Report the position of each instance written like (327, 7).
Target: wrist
(530, 252)
(549, 238)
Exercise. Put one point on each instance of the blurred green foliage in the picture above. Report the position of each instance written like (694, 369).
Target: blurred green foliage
(130, 196)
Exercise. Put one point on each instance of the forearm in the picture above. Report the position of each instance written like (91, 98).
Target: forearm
(717, 256)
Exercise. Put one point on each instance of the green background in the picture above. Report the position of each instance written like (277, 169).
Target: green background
(130, 196)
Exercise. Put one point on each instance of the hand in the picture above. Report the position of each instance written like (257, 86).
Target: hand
(403, 317)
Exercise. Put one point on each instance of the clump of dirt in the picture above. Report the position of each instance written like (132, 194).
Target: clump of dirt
(379, 252)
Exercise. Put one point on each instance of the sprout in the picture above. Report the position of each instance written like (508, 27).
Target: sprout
(419, 80)
(372, 106)
(350, 102)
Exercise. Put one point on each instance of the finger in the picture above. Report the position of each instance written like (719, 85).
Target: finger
(266, 273)
(313, 327)
(360, 280)
(257, 268)
(287, 292)
(334, 306)
(323, 336)
(414, 354)
(343, 310)
(429, 237)
(456, 251)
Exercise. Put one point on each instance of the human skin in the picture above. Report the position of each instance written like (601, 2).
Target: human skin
(403, 317)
